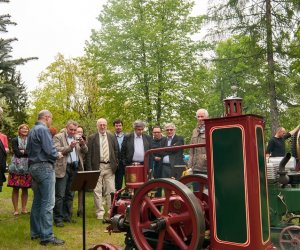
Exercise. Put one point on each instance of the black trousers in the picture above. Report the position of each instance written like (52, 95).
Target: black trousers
(119, 176)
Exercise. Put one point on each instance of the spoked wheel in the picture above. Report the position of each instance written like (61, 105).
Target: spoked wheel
(198, 183)
(104, 246)
(289, 238)
(174, 221)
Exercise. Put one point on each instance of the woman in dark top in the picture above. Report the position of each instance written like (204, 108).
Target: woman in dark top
(2, 164)
(19, 176)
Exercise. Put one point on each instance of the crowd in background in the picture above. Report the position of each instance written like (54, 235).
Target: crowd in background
(47, 161)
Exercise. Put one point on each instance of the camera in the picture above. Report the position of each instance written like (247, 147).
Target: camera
(78, 139)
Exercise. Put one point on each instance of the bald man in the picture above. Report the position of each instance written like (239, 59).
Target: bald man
(276, 145)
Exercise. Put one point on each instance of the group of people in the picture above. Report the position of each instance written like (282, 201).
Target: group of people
(47, 162)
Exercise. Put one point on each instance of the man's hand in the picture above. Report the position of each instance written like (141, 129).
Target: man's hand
(59, 155)
(156, 158)
(73, 144)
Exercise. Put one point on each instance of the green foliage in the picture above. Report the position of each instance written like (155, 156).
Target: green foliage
(144, 64)
(238, 63)
(148, 60)
(70, 91)
(5, 120)
(269, 27)
(11, 86)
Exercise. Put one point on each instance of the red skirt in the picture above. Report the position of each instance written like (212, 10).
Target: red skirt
(19, 180)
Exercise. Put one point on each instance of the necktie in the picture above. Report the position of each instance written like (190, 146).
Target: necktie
(105, 148)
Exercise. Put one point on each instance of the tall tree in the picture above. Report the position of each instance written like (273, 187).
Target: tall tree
(270, 24)
(234, 65)
(70, 91)
(11, 86)
(147, 57)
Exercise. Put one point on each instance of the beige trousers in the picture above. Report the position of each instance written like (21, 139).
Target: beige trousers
(105, 186)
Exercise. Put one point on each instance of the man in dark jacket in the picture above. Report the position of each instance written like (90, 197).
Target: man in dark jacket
(103, 155)
(156, 158)
(171, 159)
(135, 145)
(119, 175)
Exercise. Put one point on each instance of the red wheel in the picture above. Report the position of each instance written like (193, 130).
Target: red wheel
(199, 184)
(104, 246)
(289, 238)
(174, 219)
(200, 181)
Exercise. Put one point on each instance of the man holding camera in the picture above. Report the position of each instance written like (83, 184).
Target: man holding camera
(73, 149)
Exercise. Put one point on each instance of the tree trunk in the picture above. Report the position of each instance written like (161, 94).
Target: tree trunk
(270, 70)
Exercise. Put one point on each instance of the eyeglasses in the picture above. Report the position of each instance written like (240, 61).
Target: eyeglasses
(169, 129)
(156, 132)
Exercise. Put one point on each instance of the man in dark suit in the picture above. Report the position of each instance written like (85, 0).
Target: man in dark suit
(103, 155)
(172, 158)
(156, 158)
(135, 145)
(119, 175)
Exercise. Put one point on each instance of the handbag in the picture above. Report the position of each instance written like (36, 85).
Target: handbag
(18, 165)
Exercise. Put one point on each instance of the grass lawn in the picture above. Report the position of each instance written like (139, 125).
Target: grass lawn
(15, 230)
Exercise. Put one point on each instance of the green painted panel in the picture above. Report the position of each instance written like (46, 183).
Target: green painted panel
(228, 164)
(262, 180)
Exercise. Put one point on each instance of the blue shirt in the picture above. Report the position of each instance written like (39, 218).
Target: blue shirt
(120, 138)
(40, 146)
(166, 158)
(138, 155)
(72, 157)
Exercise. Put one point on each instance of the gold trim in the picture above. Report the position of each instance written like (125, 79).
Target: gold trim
(297, 146)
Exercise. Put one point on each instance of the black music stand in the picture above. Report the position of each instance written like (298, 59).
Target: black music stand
(84, 180)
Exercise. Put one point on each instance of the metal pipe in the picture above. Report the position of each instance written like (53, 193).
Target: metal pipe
(284, 161)
(174, 148)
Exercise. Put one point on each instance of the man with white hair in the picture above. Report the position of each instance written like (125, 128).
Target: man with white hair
(103, 155)
(197, 161)
(172, 158)
(73, 151)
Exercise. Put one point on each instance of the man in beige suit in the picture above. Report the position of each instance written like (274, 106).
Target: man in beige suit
(65, 168)
(197, 161)
(103, 156)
